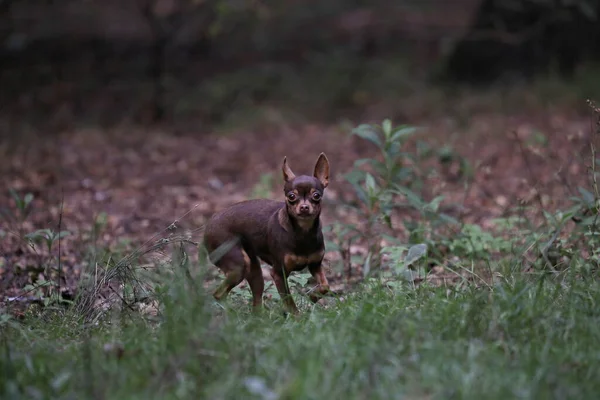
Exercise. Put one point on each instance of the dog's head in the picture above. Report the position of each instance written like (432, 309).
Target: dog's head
(303, 193)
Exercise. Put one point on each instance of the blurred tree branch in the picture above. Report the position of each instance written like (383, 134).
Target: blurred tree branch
(165, 19)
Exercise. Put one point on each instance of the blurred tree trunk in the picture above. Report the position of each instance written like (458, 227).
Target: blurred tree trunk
(157, 60)
(525, 38)
(165, 19)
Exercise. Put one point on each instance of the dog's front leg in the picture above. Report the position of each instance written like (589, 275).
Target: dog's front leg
(284, 290)
(316, 270)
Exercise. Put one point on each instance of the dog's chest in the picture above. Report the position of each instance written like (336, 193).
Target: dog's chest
(296, 262)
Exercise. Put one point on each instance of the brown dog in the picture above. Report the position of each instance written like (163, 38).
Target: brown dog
(286, 235)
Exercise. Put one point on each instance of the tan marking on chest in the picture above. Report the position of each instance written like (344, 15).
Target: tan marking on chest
(294, 262)
(306, 224)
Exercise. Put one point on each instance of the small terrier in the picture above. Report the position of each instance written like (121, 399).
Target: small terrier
(286, 235)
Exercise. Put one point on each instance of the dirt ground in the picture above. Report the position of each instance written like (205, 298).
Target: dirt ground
(145, 180)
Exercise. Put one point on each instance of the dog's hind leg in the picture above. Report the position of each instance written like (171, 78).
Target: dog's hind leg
(256, 281)
(234, 265)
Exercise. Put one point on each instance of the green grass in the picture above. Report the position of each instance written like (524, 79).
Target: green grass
(527, 337)
(521, 335)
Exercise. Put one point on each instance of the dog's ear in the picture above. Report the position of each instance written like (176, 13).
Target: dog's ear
(288, 175)
(322, 169)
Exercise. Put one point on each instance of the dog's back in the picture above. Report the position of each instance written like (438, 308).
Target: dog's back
(247, 221)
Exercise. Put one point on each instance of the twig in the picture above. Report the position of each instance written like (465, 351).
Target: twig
(122, 268)
(594, 179)
(35, 287)
(121, 298)
(596, 111)
(137, 250)
(347, 259)
(547, 247)
(60, 217)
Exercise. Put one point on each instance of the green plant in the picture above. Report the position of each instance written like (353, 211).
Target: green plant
(402, 261)
(47, 237)
(23, 209)
(40, 287)
(552, 245)
(584, 211)
(374, 189)
(392, 182)
(474, 243)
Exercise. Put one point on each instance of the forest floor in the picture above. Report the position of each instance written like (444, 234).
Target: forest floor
(143, 327)
(137, 181)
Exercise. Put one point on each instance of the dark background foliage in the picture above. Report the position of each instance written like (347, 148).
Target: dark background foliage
(146, 61)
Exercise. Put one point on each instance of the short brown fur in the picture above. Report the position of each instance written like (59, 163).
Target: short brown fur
(286, 235)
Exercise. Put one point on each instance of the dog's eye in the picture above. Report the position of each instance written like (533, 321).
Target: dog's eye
(316, 196)
(291, 197)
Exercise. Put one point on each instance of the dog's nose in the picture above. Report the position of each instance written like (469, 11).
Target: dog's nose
(304, 208)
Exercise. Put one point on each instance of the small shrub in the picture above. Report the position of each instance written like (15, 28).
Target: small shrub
(391, 183)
